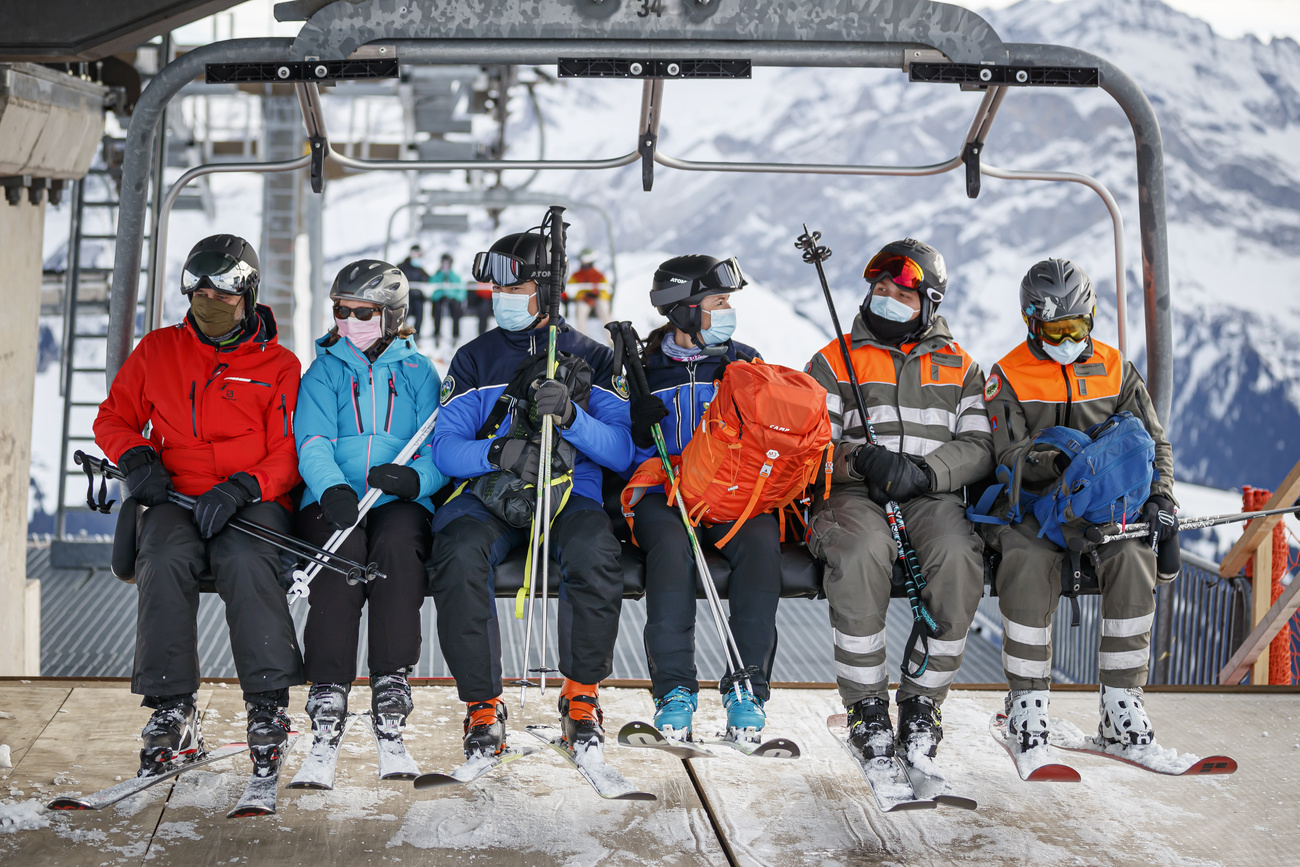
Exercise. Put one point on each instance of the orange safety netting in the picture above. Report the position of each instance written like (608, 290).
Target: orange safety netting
(1279, 651)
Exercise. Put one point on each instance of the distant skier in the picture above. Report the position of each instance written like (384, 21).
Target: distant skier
(416, 277)
(694, 293)
(218, 393)
(1062, 375)
(923, 393)
(488, 439)
(362, 399)
(590, 292)
(448, 297)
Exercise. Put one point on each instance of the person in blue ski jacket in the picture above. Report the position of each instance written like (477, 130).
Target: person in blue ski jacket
(362, 400)
(693, 292)
(497, 456)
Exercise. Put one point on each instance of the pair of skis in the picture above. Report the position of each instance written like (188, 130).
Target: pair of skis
(1040, 763)
(395, 763)
(642, 734)
(896, 783)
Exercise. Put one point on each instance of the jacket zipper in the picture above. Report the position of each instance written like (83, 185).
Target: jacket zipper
(370, 374)
(356, 401)
(194, 416)
(1069, 399)
(392, 398)
(284, 411)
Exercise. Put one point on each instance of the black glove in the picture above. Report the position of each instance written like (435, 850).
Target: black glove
(400, 481)
(147, 480)
(339, 506)
(518, 456)
(647, 411)
(889, 475)
(551, 397)
(1159, 513)
(213, 509)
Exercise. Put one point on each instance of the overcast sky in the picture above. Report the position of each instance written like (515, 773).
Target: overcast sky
(1233, 18)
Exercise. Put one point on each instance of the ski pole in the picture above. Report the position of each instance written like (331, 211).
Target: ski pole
(626, 337)
(354, 571)
(302, 578)
(1137, 531)
(924, 625)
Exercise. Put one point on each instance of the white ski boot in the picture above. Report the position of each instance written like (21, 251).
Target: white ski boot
(1123, 719)
(1027, 717)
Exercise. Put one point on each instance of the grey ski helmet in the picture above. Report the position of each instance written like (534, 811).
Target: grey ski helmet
(227, 264)
(681, 283)
(913, 265)
(379, 283)
(1056, 289)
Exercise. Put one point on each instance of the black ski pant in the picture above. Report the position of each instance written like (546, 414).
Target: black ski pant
(671, 583)
(395, 537)
(473, 541)
(482, 309)
(169, 560)
(414, 316)
(452, 308)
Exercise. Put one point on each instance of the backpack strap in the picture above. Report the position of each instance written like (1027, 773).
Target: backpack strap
(763, 475)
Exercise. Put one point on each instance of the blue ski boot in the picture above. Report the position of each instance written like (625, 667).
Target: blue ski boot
(673, 713)
(745, 716)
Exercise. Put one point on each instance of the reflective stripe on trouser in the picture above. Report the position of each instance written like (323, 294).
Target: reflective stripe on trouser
(1029, 589)
(851, 534)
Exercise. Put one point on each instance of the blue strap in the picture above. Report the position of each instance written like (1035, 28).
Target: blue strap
(1068, 440)
(981, 512)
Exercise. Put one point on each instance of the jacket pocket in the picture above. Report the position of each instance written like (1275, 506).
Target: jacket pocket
(284, 411)
(356, 402)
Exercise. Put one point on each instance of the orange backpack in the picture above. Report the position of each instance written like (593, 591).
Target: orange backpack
(762, 440)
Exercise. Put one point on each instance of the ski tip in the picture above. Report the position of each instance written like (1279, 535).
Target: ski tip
(309, 784)
(838, 721)
(400, 775)
(778, 748)
(246, 812)
(68, 804)
(637, 734)
(956, 801)
(904, 806)
(1053, 774)
(635, 796)
(435, 781)
(1211, 765)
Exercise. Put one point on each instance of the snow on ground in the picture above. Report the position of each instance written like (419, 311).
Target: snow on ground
(23, 816)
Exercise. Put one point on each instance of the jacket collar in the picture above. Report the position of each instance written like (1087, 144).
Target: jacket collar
(529, 338)
(936, 336)
(345, 351)
(1037, 352)
(265, 335)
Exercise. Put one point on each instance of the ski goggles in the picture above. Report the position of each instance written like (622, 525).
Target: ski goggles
(724, 275)
(503, 269)
(219, 271)
(1056, 332)
(365, 314)
(905, 273)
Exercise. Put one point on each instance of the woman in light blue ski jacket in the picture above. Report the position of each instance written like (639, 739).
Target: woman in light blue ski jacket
(364, 397)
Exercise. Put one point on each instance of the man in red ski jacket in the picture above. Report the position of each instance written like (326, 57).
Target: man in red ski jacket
(217, 392)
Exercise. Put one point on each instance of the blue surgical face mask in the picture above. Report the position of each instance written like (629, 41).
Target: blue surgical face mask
(1066, 352)
(417, 262)
(511, 311)
(722, 323)
(892, 309)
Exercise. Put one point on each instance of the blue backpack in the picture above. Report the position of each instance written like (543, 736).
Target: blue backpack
(1112, 466)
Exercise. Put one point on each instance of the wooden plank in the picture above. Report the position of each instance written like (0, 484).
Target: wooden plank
(32, 708)
(1261, 598)
(91, 743)
(534, 811)
(1254, 649)
(1261, 528)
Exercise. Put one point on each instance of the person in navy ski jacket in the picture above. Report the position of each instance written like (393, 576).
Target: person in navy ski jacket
(363, 398)
(694, 292)
(487, 454)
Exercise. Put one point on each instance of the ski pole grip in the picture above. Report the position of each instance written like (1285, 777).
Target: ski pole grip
(557, 260)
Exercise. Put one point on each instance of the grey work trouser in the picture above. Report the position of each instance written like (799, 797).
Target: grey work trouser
(851, 534)
(1029, 589)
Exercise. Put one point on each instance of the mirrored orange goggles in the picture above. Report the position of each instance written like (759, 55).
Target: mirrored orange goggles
(1076, 328)
(902, 270)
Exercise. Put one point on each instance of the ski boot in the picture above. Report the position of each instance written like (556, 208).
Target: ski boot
(171, 732)
(1027, 717)
(1123, 719)
(485, 728)
(920, 727)
(870, 731)
(674, 712)
(581, 718)
(390, 702)
(268, 729)
(327, 705)
(745, 716)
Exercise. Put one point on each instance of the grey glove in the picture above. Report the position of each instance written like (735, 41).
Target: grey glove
(551, 397)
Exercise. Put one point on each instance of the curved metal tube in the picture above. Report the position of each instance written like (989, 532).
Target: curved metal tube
(158, 249)
(1117, 221)
(807, 168)
(462, 165)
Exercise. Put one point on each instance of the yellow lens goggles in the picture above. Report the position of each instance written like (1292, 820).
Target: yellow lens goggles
(1076, 328)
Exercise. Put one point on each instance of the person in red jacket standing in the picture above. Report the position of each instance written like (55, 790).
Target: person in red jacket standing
(217, 393)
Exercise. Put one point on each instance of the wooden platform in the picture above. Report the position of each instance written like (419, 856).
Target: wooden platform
(81, 736)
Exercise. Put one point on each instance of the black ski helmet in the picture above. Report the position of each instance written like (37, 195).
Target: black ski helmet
(681, 283)
(379, 283)
(933, 281)
(227, 264)
(531, 254)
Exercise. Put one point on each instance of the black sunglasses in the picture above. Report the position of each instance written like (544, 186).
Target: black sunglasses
(365, 314)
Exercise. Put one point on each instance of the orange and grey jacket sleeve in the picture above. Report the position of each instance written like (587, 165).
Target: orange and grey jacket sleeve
(968, 457)
(1134, 398)
(839, 403)
(1011, 432)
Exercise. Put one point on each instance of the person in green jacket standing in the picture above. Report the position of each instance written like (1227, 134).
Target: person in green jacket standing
(449, 295)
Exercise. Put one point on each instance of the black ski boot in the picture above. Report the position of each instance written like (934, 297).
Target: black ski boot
(173, 731)
(327, 705)
(390, 702)
(268, 729)
(581, 718)
(485, 728)
(920, 727)
(870, 731)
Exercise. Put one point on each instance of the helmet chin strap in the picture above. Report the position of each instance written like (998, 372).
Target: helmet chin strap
(704, 348)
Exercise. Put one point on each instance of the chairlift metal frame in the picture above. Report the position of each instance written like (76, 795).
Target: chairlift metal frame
(784, 33)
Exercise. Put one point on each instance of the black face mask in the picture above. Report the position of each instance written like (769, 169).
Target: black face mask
(889, 331)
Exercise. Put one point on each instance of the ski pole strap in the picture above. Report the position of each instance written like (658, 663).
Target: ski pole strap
(919, 634)
(522, 596)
